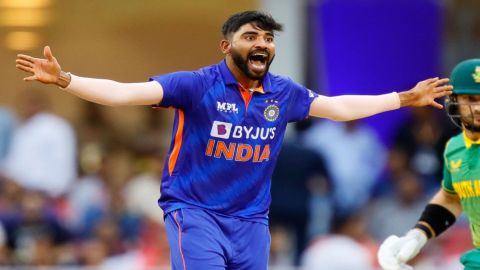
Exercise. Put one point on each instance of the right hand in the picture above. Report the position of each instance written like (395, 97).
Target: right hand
(425, 93)
(43, 70)
(395, 252)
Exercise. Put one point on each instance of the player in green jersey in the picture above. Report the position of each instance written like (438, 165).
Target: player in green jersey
(460, 189)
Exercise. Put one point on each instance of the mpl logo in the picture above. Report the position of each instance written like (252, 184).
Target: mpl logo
(221, 130)
(227, 107)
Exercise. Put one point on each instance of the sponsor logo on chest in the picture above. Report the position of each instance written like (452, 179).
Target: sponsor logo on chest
(239, 151)
(227, 107)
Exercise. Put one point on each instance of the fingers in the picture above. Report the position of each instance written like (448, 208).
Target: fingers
(390, 242)
(436, 105)
(441, 94)
(25, 68)
(441, 81)
(47, 52)
(24, 63)
(431, 80)
(31, 78)
(408, 251)
(26, 58)
(387, 253)
(446, 89)
(436, 81)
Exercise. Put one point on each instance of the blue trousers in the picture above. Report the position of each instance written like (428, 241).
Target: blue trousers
(202, 240)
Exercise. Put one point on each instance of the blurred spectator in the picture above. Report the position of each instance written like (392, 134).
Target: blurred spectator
(407, 202)
(5, 256)
(423, 137)
(142, 191)
(92, 252)
(34, 232)
(348, 247)
(281, 247)
(42, 153)
(354, 156)
(300, 173)
(397, 164)
(89, 197)
(7, 123)
(141, 194)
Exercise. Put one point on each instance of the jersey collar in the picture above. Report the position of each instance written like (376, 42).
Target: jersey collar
(469, 142)
(229, 79)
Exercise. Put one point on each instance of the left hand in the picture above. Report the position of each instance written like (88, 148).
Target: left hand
(425, 93)
(395, 252)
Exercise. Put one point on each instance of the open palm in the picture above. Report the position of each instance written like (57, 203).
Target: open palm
(45, 70)
(425, 92)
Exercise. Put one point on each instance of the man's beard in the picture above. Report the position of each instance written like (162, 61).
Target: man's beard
(469, 123)
(242, 64)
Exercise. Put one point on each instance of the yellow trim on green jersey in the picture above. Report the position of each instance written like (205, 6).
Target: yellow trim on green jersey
(468, 141)
(450, 191)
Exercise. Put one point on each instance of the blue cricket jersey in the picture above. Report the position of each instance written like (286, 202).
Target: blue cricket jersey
(224, 146)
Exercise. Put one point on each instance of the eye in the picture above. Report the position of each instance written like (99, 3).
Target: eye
(250, 38)
(269, 39)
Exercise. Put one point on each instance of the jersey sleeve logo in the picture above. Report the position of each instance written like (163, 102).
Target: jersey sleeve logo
(455, 165)
(221, 130)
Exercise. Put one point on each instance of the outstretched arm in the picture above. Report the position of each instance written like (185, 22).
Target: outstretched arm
(351, 107)
(107, 92)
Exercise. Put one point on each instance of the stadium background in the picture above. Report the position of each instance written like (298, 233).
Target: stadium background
(339, 47)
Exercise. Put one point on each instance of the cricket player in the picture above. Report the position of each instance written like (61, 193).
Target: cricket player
(461, 178)
(230, 120)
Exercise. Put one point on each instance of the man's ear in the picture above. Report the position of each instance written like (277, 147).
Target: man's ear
(225, 46)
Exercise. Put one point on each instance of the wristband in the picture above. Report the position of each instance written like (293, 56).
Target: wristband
(64, 79)
(434, 220)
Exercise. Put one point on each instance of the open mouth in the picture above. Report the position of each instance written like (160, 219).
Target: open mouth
(258, 61)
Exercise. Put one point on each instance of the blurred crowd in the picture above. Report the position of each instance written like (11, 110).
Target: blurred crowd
(86, 195)
(78, 195)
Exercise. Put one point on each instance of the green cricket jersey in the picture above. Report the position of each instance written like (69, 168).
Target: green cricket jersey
(461, 176)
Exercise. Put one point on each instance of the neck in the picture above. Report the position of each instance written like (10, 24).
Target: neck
(241, 78)
(474, 136)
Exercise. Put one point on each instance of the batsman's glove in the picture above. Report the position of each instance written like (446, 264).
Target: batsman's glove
(395, 252)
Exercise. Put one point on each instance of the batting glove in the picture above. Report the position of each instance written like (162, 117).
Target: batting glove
(395, 252)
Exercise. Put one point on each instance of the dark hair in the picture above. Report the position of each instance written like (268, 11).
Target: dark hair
(260, 19)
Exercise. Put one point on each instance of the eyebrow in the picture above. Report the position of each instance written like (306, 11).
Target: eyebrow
(256, 33)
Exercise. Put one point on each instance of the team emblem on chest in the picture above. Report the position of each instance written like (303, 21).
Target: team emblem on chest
(455, 165)
(272, 111)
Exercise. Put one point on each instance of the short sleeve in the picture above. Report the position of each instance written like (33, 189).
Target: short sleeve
(300, 100)
(447, 184)
(181, 90)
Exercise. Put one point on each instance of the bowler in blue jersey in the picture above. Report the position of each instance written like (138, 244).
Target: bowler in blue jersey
(230, 120)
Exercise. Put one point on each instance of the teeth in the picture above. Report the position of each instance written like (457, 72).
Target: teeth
(260, 54)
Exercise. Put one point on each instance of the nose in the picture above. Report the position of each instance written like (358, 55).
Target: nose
(261, 43)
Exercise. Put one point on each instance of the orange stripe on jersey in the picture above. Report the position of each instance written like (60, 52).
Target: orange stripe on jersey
(247, 95)
(178, 143)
